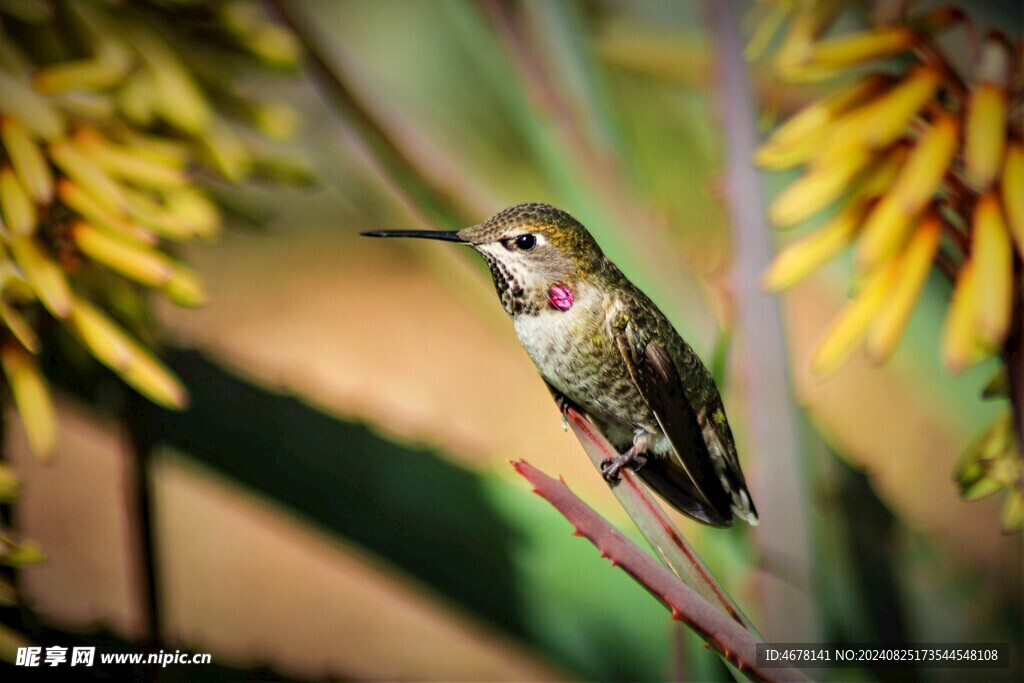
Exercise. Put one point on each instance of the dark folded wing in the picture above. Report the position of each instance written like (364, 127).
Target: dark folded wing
(687, 478)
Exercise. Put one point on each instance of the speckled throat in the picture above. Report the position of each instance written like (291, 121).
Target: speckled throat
(514, 297)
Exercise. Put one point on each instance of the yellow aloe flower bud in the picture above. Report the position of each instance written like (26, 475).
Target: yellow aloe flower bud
(889, 222)
(23, 554)
(883, 174)
(856, 48)
(137, 99)
(19, 327)
(991, 250)
(156, 382)
(155, 217)
(160, 150)
(276, 119)
(849, 328)
(28, 162)
(142, 264)
(123, 163)
(134, 261)
(32, 397)
(985, 133)
(96, 106)
(799, 138)
(975, 484)
(763, 22)
(46, 277)
(927, 164)
(30, 108)
(274, 44)
(821, 185)
(226, 151)
(88, 175)
(110, 64)
(1013, 510)
(881, 122)
(799, 40)
(10, 490)
(184, 287)
(18, 211)
(74, 197)
(799, 259)
(979, 488)
(912, 271)
(972, 468)
(105, 340)
(112, 346)
(1013, 192)
(195, 210)
(13, 285)
(809, 22)
(178, 100)
(884, 230)
(959, 333)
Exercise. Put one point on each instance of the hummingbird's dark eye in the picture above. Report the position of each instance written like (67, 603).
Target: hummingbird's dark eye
(526, 242)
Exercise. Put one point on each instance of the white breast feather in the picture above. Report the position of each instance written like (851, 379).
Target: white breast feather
(545, 335)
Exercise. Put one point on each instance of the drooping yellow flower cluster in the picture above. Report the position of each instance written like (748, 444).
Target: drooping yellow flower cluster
(107, 111)
(913, 163)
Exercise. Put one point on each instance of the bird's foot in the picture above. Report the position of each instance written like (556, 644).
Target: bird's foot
(611, 468)
(563, 404)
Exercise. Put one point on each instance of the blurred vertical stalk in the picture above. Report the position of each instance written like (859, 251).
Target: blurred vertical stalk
(556, 99)
(771, 421)
(141, 420)
(1014, 354)
(424, 195)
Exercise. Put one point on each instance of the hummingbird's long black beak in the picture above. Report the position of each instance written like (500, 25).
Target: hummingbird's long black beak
(421, 234)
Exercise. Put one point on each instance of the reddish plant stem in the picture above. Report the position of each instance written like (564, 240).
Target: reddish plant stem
(717, 629)
(707, 584)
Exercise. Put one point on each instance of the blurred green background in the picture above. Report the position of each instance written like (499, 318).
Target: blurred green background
(336, 503)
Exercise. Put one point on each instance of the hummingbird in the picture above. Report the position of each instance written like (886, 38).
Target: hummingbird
(604, 347)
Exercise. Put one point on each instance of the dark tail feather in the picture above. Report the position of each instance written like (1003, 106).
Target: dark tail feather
(672, 483)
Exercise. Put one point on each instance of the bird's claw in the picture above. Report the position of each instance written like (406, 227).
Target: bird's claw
(564, 405)
(611, 468)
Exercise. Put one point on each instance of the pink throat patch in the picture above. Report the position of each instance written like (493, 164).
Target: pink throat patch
(560, 296)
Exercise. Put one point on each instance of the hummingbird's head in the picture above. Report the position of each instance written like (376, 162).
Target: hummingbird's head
(537, 254)
(536, 243)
